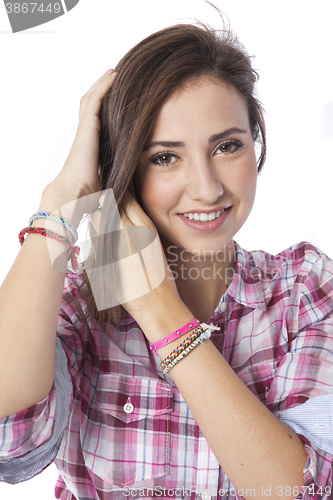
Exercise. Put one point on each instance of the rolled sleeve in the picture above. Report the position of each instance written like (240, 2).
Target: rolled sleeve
(313, 422)
(302, 397)
(30, 439)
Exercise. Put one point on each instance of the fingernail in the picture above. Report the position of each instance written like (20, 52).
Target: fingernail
(109, 72)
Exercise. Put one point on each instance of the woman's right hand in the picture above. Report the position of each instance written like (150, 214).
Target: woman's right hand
(30, 295)
(79, 175)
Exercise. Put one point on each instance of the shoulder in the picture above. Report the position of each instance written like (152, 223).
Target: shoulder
(72, 283)
(294, 264)
(298, 253)
(71, 297)
(300, 271)
(73, 309)
(301, 275)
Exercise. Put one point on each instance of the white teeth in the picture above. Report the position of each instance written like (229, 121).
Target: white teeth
(203, 216)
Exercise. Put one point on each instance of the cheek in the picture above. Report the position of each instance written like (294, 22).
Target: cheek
(249, 177)
(159, 194)
(243, 183)
(248, 172)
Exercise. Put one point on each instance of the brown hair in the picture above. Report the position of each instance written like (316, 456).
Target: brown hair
(147, 75)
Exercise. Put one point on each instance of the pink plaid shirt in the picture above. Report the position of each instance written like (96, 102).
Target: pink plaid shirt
(276, 323)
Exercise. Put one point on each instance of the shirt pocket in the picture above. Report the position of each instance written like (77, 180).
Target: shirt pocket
(131, 442)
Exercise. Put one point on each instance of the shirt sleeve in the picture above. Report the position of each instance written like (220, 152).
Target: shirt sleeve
(301, 394)
(30, 439)
(313, 422)
(74, 329)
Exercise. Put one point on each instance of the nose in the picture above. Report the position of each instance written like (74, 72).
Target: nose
(204, 182)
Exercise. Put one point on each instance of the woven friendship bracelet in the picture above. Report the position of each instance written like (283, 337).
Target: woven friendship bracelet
(171, 360)
(174, 335)
(56, 218)
(195, 334)
(74, 251)
(204, 336)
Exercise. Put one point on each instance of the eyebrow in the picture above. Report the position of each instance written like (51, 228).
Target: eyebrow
(212, 138)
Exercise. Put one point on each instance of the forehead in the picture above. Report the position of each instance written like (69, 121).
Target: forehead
(206, 102)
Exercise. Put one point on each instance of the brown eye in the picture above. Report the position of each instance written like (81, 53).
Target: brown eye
(163, 159)
(228, 147)
(166, 158)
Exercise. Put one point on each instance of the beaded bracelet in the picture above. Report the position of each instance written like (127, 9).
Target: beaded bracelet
(205, 330)
(74, 251)
(174, 335)
(56, 218)
(204, 336)
(194, 335)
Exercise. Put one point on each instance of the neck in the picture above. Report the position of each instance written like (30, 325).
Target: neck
(201, 279)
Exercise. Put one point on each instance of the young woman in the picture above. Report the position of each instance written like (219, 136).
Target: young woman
(237, 404)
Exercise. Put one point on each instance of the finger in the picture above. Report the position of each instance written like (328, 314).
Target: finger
(134, 213)
(129, 207)
(102, 199)
(95, 221)
(91, 102)
(102, 85)
(94, 229)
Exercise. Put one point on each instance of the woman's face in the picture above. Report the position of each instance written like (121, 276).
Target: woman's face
(197, 174)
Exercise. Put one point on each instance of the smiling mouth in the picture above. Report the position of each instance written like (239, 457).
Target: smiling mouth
(203, 217)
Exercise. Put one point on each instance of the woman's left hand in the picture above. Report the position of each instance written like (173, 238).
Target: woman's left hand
(147, 289)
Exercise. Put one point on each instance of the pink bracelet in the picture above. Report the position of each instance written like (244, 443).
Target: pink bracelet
(174, 335)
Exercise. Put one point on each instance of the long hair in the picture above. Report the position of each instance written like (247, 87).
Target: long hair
(147, 76)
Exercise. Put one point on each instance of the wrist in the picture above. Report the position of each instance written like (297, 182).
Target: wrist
(157, 325)
(59, 202)
(62, 190)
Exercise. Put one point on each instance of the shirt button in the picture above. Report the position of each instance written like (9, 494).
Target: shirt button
(223, 306)
(128, 408)
(205, 495)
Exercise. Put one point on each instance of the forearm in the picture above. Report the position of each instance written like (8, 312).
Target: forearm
(254, 448)
(30, 298)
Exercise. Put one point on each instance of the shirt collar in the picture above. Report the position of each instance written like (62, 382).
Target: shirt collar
(246, 286)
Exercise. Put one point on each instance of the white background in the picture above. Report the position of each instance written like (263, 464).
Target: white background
(46, 70)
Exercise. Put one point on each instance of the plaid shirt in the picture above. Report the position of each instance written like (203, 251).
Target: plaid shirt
(276, 323)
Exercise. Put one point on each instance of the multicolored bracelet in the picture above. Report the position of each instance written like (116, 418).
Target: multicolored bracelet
(56, 218)
(74, 251)
(194, 335)
(174, 335)
(181, 351)
(205, 335)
